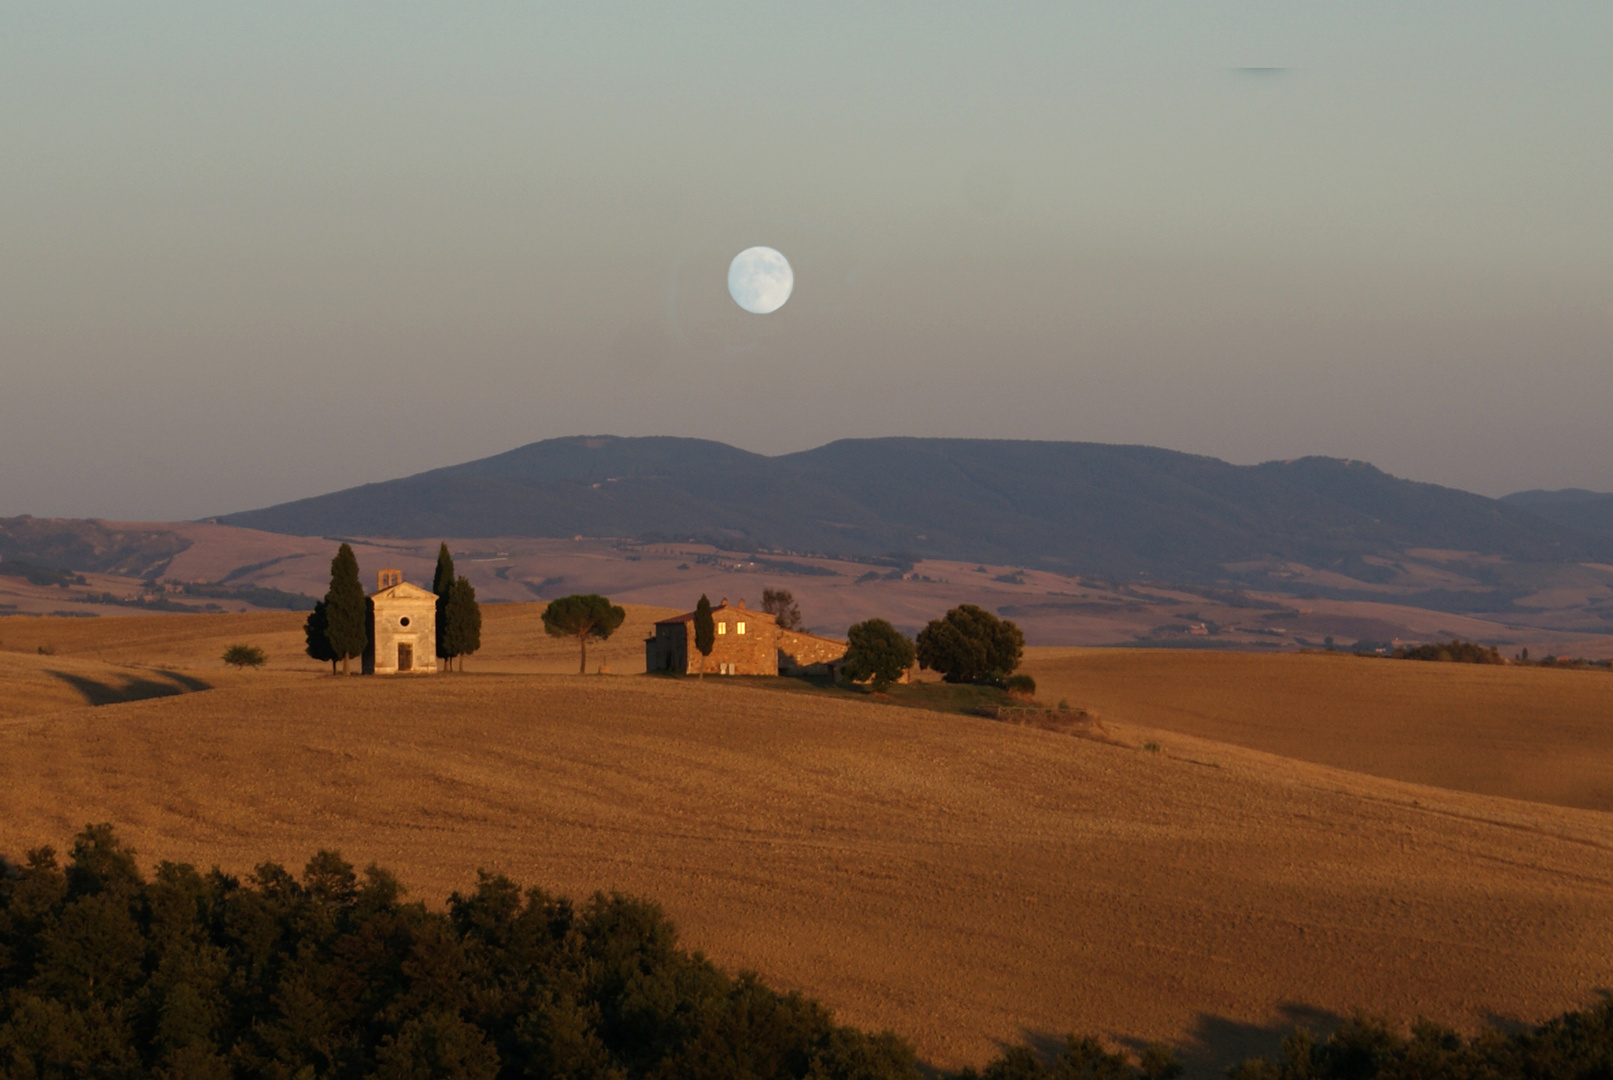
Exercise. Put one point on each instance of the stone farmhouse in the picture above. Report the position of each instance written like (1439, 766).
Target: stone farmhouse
(747, 643)
(403, 628)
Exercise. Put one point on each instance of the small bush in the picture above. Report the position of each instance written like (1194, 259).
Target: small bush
(245, 656)
(1020, 685)
(47, 650)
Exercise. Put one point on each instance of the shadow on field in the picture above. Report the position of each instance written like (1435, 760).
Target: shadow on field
(132, 688)
(1216, 1042)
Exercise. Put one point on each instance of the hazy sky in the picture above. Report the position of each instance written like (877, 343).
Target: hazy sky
(254, 252)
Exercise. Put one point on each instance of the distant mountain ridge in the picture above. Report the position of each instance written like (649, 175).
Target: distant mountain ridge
(1079, 507)
(1587, 511)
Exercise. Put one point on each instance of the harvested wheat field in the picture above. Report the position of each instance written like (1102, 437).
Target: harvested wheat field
(1543, 734)
(960, 881)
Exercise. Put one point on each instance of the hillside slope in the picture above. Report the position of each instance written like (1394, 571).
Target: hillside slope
(1520, 732)
(1575, 508)
(961, 881)
(1083, 507)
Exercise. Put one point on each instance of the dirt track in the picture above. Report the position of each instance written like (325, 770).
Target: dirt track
(960, 881)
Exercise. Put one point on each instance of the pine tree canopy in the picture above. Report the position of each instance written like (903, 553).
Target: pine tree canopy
(582, 616)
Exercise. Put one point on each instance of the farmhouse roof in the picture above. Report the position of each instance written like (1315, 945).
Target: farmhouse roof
(688, 616)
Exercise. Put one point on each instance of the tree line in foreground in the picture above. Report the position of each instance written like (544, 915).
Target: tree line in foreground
(104, 973)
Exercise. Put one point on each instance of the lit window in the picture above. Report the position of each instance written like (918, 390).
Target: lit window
(741, 628)
(722, 628)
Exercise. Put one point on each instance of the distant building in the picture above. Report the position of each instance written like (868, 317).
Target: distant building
(746, 643)
(403, 628)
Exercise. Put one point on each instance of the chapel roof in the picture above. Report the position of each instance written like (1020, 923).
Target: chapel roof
(403, 591)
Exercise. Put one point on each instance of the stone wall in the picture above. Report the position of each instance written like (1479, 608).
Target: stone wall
(808, 654)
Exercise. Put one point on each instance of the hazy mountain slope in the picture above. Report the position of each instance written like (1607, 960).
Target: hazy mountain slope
(1096, 508)
(1587, 511)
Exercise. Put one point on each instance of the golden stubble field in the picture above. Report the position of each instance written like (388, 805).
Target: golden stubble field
(1543, 734)
(963, 882)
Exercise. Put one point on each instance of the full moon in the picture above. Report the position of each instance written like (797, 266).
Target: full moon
(760, 280)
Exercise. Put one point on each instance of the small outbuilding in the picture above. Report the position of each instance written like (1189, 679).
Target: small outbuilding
(403, 628)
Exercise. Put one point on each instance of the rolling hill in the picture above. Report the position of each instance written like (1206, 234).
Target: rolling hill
(1121, 511)
(963, 882)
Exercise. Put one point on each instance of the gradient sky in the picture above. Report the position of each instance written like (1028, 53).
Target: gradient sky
(250, 253)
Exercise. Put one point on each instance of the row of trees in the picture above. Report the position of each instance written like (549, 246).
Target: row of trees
(338, 629)
(332, 974)
(459, 616)
(104, 973)
(967, 645)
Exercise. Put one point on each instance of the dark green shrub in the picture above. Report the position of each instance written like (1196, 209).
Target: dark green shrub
(245, 656)
(1022, 685)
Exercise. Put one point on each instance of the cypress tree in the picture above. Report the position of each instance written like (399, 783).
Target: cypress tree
(313, 632)
(442, 583)
(463, 615)
(346, 624)
(705, 631)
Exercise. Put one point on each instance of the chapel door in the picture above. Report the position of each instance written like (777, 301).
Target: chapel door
(405, 657)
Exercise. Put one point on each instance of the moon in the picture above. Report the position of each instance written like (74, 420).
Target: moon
(760, 280)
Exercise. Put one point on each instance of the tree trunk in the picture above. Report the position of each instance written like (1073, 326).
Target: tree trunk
(582, 639)
(344, 665)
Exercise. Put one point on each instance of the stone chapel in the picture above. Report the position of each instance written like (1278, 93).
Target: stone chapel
(403, 628)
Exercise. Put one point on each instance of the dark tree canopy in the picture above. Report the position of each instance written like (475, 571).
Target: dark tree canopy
(583, 616)
(442, 583)
(346, 609)
(459, 627)
(334, 975)
(705, 631)
(877, 651)
(245, 656)
(1456, 651)
(780, 603)
(104, 973)
(317, 644)
(970, 644)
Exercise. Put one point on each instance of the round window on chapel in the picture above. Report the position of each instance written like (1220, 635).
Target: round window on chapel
(404, 621)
